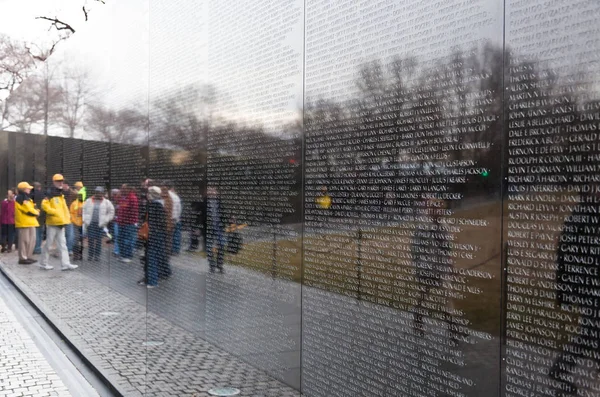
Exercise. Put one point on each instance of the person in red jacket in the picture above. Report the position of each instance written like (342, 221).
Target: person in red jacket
(127, 219)
(7, 220)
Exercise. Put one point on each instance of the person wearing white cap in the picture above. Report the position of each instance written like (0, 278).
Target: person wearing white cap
(25, 222)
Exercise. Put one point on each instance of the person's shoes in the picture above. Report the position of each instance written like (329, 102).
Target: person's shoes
(24, 262)
(142, 282)
(36, 252)
(47, 267)
(31, 261)
(8, 251)
(221, 270)
(125, 260)
(69, 267)
(3, 250)
(151, 286)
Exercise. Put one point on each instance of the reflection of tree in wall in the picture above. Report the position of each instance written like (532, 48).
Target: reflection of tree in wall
(128, 125)
(463, 95)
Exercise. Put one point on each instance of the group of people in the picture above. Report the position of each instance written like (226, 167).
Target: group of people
(66, 216)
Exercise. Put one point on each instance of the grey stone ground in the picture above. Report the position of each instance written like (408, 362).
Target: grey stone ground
(24, 371)
(108, 317)
(216, 330)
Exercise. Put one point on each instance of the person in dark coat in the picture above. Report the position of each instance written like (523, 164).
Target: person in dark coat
(157, 233)
(196, 227)
(216, 222)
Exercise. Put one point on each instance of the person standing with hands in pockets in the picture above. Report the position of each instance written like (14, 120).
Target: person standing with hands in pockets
(26, 223)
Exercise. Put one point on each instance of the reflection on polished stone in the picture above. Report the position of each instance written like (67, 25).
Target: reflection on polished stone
(388, 198)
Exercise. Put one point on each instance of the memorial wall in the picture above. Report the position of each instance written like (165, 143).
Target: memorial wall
(376, 198)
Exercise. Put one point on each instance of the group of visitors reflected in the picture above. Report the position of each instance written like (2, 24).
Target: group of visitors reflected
(392, 198)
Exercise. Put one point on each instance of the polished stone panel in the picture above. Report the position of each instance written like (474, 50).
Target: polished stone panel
(552, 247)
(378, 198)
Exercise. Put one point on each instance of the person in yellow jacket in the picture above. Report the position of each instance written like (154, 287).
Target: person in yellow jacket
(57, 217)
(77, 221)
(324, 200)
(25, 222)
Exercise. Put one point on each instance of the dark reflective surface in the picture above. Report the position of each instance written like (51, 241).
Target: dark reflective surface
(346, 199)
(552, 200)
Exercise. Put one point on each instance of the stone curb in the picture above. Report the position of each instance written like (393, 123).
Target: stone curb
(65, 333)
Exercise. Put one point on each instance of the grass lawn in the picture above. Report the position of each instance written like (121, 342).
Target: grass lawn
(386, 271)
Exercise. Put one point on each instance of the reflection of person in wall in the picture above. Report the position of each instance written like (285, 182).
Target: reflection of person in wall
(176, 215)
(76, 210)
(57, 216)
(127, 219)
(37, 197)
(25, 222)
(165, 268)
(98, 212)
(156, 246)
(70, 197)
(215, 235)
(430, 276)
(113, 227)
(7, 219)
(196, 215)
(578, 281)
(324, 199)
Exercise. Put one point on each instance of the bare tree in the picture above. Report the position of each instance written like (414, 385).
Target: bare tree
(183, 118)
(15, 64)
(76, 88)
(24, 108)
(127, 125)
(64, 28)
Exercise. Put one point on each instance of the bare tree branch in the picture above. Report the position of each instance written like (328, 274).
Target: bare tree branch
(85, 13)
(58, 24)
(42, 54)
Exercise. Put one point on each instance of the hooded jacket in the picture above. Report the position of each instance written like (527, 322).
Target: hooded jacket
(55, 207)
(7, 212)
(25, 212)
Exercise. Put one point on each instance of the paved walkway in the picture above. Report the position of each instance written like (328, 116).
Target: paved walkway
(166, 341)
(24, 371)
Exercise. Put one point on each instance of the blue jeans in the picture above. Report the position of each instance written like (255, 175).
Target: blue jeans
(176, 249)
(155, 258)
(215, 250)
(116, 239)
(126, 240)
(70, 234)
(39, 235)
(94, 234)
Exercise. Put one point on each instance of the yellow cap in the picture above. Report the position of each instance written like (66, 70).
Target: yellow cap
(78, 185)
(57, 178)
(24, 185)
